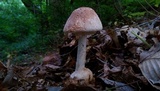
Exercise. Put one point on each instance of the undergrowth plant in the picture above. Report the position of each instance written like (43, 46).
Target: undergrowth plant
(30, 27)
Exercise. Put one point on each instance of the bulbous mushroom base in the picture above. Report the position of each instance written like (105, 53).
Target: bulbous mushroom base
(81, 77)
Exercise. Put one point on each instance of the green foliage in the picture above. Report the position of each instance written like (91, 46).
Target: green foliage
(30, 26)
(17, 28)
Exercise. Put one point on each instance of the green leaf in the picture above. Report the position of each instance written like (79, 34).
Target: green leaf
(157, 3)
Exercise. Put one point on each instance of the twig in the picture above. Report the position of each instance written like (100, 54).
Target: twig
(119, 10)
(100, 60)
(8, 77)
(152, 7)
(69, 51)
(145, 8)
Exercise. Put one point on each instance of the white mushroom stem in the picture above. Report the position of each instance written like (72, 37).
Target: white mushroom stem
(81, 53)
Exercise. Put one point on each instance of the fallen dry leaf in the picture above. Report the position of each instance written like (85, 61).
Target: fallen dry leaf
(72, 87)
(52, 58)
(108, 70)
(117, 86)
(2, 66)
(112, 34)
(116, 69)
(150, 66)
(3, 70)
(150, 69)
(133, 38)
(55, 88)
(50, 66)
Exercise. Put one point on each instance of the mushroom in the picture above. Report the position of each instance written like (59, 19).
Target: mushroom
(82, 22)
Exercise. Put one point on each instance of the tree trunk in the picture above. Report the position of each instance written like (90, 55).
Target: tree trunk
(37, 12)
(32, 7)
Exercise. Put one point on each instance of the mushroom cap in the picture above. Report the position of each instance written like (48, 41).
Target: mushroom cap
(83, 20)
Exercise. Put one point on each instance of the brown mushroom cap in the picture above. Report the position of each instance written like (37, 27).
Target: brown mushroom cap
(83, 20)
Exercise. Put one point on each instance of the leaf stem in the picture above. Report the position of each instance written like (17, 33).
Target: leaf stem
(144, 41)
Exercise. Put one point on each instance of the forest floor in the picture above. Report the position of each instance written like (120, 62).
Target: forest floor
(121, 59)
